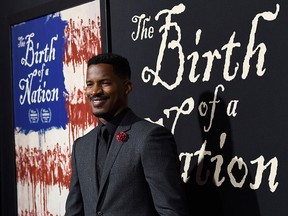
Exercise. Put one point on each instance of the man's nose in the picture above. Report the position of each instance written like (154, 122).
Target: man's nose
(97, 89)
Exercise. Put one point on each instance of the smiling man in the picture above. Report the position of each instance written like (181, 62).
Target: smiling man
(126, 166)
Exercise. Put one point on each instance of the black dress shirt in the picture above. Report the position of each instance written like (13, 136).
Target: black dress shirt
(104, 141)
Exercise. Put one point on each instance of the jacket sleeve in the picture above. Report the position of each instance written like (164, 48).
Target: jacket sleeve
(162, 172)
(74, 202)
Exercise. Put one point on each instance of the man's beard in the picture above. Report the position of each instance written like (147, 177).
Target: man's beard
(105, 116)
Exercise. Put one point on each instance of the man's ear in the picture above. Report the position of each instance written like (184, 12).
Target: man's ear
(128, 87)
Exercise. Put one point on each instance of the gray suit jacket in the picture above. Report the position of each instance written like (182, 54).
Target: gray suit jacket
(141, 175)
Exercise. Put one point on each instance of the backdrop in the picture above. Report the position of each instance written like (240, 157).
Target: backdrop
(215, 73)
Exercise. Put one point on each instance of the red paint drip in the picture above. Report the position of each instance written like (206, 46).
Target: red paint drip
(45, 168)
(81, 41)
(52, 167)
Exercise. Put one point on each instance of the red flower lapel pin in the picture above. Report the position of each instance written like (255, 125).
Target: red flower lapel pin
(121, 137)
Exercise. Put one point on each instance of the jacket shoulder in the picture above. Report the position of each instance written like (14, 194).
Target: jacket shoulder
(86, 139)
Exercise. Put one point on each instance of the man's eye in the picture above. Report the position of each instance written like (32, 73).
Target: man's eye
(105, 82)
(89, 84)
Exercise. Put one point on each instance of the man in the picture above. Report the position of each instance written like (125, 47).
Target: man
(137, 173)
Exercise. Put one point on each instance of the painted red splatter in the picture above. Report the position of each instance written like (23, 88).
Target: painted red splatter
(44, 168)
(51, 167)
(81, 41)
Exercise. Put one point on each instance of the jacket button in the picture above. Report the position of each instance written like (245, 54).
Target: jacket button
(99, 213)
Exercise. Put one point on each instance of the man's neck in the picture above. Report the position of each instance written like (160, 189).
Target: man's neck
(114, 118)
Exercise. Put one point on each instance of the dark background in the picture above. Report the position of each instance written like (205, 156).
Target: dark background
(259, 128)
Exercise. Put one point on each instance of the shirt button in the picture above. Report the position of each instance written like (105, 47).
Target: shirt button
(99, 213)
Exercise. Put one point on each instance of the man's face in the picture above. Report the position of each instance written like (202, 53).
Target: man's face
(106, 91)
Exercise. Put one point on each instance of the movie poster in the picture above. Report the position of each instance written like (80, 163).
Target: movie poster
(49, 56)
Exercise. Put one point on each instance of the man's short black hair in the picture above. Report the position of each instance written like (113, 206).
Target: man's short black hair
(120, 64)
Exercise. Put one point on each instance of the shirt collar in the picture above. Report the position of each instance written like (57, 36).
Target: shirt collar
(115, 122)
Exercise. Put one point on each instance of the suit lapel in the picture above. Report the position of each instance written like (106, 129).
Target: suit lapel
(112, 155)
(93, 174)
